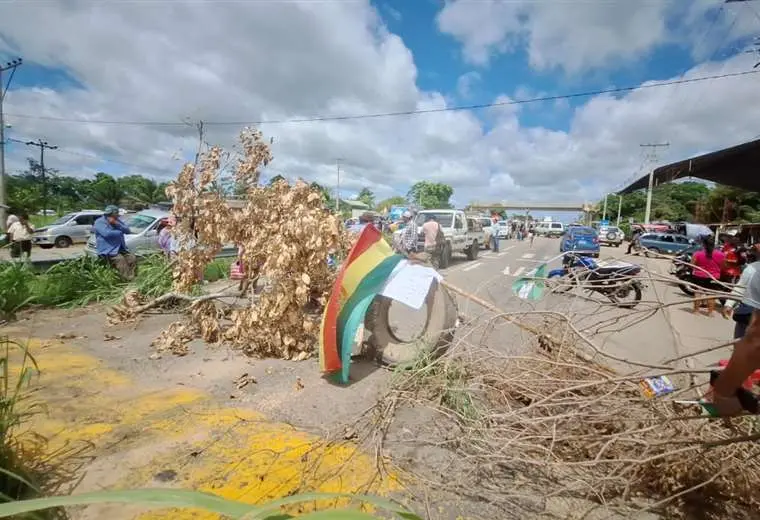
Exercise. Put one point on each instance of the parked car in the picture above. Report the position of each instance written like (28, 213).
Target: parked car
(487, 224)
(663, 243)
(502, 229)
(582, 240)
(144, 227)
(456, 230)
(611, 236)
(72, 228)
(550, 229)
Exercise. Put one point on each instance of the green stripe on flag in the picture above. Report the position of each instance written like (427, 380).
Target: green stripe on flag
(532, 285)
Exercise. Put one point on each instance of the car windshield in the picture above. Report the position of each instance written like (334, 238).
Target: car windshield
(501, 223)
(444, 219)
(138, 223)
(61, 221)
(583, 232)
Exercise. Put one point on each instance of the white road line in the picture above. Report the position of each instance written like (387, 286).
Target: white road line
(505, 271)
(528, 255)
(473, 266)
(519, 271)
(547, 258)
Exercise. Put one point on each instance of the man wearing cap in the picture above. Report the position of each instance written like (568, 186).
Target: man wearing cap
(110, 245)
(409, 235)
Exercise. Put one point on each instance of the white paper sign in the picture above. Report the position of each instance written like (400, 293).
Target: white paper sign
(409, 283)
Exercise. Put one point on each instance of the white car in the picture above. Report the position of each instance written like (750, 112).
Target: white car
(611, 236)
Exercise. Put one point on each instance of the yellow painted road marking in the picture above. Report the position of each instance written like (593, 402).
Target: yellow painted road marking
(136, 434)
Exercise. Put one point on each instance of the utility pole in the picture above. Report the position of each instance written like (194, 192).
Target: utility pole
(42, 145)
(337, 188)
(604, 211)
(620, 207)
(10, 66)
(653, 158)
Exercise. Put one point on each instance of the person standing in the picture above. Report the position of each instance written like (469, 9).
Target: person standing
(409, 234)
(634, 240)
(495, 234)
(20, 233)
(707, 265)
(433, 234)
(735, 308)
(110, 244)
(745, 358)
(165, 235)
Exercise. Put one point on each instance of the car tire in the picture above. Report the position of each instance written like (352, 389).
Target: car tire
(445, 256)
(472, 251)
(46, 246)
(653, 251)
(63, 242)
(388, 350)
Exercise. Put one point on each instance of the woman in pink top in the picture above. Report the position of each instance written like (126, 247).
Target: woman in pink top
(707, 266)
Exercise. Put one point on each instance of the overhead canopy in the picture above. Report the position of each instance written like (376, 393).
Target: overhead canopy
(738, 166)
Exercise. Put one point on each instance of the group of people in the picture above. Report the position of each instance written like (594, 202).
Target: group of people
(519, 231)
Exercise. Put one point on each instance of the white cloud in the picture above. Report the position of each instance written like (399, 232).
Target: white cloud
(466, 82)
(233, 61)
(577, 36)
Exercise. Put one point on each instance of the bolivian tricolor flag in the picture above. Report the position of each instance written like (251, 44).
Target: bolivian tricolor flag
(362, 275)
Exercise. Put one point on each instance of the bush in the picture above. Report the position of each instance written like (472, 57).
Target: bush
(15, 288)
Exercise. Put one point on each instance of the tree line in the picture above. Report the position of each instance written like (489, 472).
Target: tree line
(66, 193)
(26, 192)
(687, 201)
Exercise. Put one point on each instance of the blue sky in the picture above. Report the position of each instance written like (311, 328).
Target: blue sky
(127, 62)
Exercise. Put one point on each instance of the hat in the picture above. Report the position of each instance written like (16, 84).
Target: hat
(407, 214)
(111, 210)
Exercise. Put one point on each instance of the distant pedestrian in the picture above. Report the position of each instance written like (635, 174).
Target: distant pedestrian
(21, 233)
(634, 240)
(110, 244)
(531, 235)
(495, 235)
(165, 235)
(408, 243)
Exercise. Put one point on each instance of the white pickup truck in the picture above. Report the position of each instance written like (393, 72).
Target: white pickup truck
(463, 234)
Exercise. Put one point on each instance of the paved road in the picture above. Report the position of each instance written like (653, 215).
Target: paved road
(648, 334)
(48, 254)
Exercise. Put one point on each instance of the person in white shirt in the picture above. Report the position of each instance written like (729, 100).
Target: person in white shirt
(735, 308)
(21, 233)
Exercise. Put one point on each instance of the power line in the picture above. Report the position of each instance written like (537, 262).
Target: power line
(42, 145)
(91, 156)
(399, 113)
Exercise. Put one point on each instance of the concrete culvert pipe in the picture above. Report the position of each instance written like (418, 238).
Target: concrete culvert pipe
(386, 345)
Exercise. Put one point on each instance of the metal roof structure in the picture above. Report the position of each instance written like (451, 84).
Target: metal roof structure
(738, 166)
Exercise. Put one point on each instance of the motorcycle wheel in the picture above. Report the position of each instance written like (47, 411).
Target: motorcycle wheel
(561, 283)
(637, 292)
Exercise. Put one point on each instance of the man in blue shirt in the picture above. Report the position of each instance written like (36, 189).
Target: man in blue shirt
(110, 245)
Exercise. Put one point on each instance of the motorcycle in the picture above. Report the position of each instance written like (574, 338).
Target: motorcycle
(615, 281)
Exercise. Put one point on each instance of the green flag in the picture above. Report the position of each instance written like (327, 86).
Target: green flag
(532, 285)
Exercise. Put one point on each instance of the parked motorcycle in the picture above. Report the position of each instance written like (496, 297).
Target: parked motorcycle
(615, 281)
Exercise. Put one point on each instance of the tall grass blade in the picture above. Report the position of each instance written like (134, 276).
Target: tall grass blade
(163, 498)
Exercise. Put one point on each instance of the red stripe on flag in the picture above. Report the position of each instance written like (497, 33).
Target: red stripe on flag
(369, 236)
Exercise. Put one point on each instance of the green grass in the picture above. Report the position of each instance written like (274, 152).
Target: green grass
(77, 282)
(39, 221)
(178, 498)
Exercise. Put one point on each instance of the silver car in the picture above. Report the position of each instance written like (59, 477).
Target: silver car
(144, 227)
(72, 228)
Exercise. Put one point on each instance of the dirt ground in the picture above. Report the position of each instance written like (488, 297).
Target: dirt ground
(134, 421)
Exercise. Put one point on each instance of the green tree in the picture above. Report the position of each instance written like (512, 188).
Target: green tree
(141, 191)
(396, 200)
(106, 190)
(431, 195)
(366, 196)
(277, 178)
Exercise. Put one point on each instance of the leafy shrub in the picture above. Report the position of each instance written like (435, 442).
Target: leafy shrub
(15, 288)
